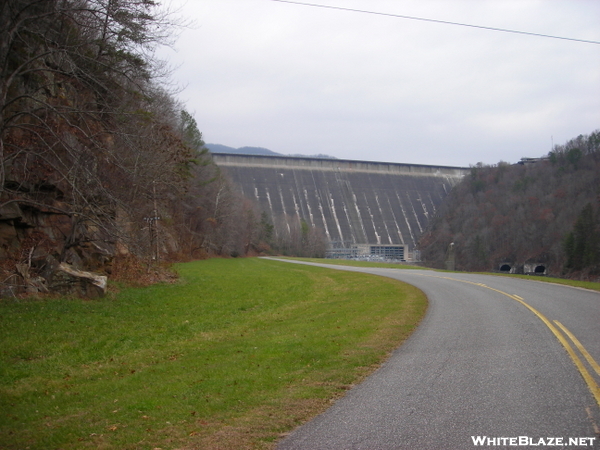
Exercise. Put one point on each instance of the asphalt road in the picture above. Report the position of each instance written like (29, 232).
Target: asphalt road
(482, 365)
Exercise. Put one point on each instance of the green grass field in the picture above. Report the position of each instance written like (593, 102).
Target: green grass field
(235, 354)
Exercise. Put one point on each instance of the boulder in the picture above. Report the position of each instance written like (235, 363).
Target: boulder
(70, 281)
(10, 211)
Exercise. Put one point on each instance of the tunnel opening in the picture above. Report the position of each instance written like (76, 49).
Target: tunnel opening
(540, 270)
(505, 268)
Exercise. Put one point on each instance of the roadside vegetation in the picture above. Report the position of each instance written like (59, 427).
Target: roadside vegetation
(233, 355)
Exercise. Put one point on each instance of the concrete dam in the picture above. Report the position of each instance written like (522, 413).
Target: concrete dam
(363, 208)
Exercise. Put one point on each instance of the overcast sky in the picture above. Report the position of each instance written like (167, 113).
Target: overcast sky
(309, 80)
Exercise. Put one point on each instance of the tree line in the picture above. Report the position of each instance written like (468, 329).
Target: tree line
(97, 158)
(545, 211)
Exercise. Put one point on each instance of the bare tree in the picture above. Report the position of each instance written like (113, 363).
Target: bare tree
(517, 213)
(86, 133)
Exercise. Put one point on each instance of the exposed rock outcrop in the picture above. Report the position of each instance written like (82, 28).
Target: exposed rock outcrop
(33, 239)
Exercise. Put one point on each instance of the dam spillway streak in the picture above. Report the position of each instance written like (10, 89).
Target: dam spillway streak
(356, 202)
(396, 222)
(361, 222)
(302, 208)
(318, 199)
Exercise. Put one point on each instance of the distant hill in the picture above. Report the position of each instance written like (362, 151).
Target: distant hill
(218, 148)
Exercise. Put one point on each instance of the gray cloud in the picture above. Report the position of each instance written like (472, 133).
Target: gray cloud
(298, 79)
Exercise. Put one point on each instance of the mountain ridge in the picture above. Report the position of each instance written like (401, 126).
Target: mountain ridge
(248, 150)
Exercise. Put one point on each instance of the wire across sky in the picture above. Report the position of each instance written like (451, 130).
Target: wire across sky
(445, 22)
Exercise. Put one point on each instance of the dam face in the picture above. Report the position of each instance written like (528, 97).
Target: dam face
(355, 203)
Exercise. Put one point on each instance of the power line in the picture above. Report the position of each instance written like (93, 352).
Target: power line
(504, 30)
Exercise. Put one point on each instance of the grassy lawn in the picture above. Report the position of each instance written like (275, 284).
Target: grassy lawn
(234, 355)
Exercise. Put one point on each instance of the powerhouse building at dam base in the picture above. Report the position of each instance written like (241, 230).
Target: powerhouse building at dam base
(367, 210)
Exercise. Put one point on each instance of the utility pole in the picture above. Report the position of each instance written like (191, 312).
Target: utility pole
(154, 248)
(155, 221)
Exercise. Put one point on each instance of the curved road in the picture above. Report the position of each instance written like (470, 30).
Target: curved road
(485, 368)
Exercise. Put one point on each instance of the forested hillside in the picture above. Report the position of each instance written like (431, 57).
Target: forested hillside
(544, 211)
(100, 168)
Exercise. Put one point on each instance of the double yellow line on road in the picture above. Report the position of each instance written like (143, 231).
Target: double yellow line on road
(589, 379)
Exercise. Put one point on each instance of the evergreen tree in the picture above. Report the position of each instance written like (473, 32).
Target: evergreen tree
(582, 245)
